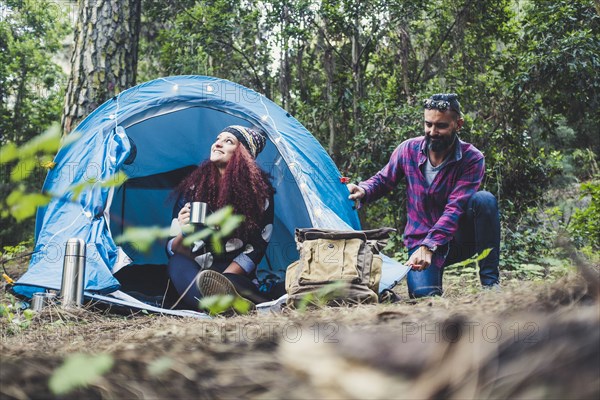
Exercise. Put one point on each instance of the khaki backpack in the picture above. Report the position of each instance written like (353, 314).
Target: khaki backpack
(336, 266)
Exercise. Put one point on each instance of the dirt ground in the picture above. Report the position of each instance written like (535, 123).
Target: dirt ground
(530, 340)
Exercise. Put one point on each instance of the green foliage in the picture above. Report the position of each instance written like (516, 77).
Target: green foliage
(585, 223)
(142, 237)
(219, 304)
(322, 297)
(584, 161)
(219, 225)
(115, 180)
(528, 248)
(31, 95)
(22, 203)
(354, 74)
(396, 247)
(219, 38)
(560, 57)
(8, 252)
(468, 267)
(13, 317)
(79, 371)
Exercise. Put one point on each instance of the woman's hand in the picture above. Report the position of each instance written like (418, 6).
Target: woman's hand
(184, 215)
(420, 259)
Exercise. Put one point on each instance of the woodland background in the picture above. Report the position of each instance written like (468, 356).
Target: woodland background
(354, 73)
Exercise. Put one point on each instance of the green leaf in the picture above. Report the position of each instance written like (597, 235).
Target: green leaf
(23, 169)
(48, 143)
(115, 180)
(475, 258)
(218, 304)
(79, 370)
(230, 224)
(321, 297)
(78, 188)
(25, 205)
(483, 254)
(8, 153)
(14, 197)
(143, 237)
(28, 314)
(241, 305)
(219, 216)
(200, 235)
(216, 243)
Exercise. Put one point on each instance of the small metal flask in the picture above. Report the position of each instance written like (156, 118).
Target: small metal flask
(41, 300)
(71, 289)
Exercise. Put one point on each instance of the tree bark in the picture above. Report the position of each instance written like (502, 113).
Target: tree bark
(357, 77)
(105, 54)
(17, 117)
(300, 73)
(285, 69)
(404, 59)
(329, 66)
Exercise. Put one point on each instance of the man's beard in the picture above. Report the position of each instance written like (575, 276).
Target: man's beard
(441, 144)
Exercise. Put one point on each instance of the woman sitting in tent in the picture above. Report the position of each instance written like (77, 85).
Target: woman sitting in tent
(232, 177)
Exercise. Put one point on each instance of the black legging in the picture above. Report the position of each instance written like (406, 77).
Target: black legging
(183, 272)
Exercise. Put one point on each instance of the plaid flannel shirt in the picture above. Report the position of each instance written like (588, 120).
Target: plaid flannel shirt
(432, 211)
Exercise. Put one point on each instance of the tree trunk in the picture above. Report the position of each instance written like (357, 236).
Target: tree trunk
(404, 58)
(105, 54)
(300, 73)
(329, 66)
(260, 38)
(357, 77)
(284, 69)
(17, 117)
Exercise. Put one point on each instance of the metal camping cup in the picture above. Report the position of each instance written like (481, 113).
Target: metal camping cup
(198, 212)
(71, 289)
(41, 300)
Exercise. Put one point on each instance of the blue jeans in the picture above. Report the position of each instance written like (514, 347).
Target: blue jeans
(478, 229)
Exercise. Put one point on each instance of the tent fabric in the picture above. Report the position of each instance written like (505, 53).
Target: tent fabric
(155, 132)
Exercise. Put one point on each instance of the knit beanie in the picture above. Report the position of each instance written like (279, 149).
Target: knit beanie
(252, 138)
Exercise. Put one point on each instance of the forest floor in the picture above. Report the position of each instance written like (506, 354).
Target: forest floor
(532, 339)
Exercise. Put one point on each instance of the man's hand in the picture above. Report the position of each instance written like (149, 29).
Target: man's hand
(356, 192)
(420, 259)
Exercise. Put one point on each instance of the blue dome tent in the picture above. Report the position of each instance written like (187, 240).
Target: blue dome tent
(156, 132)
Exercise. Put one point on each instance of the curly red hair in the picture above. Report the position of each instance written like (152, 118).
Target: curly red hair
(243, 185)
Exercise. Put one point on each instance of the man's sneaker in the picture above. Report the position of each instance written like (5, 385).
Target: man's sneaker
(494, 287)
(276, 306)
(212, 283)
(388, 296)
